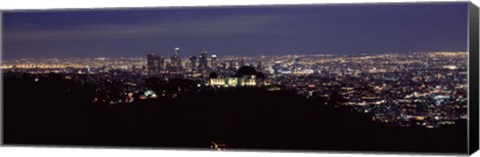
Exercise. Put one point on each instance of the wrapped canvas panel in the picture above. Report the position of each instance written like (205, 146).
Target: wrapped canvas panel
(396, 78)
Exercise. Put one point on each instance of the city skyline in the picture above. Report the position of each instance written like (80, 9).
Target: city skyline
(242, 31)
(417, 89)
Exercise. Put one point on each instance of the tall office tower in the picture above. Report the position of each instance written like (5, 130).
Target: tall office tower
(242, 63)
(214, 62)
(297, 61)
(176, 60)
(154, 64)
(232, 66)
(259, 66)
(276, 67)
(161, 64)
(296, 64)
(203, 61)
(193, 63)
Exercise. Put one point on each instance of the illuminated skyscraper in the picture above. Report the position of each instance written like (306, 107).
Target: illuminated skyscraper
(176, 61)
(214, 62)
(155, 63)
(193, 63)
(296, 64)
(161, 63)
(276, 67)
(260, 66)
(203, 61)
(297, 61)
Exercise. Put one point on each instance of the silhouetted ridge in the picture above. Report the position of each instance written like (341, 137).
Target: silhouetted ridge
(56, 111)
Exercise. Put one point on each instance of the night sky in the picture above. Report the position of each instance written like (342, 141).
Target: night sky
(253, 30)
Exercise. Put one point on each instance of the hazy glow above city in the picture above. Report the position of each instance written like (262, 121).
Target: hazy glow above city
(246, 31)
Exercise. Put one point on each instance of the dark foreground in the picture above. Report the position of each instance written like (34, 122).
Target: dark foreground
(59, 112)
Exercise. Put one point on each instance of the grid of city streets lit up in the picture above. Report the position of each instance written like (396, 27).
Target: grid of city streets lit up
(427, 89)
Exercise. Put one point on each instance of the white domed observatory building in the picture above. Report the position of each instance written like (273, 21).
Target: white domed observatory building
(246, 76)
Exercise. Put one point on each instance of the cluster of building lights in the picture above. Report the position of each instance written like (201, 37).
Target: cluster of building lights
(404, 89)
